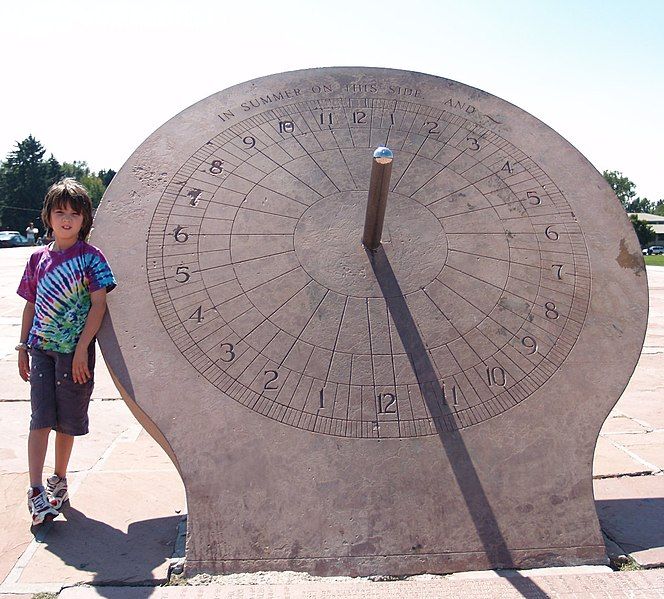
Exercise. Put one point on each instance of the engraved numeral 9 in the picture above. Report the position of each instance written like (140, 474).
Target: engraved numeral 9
(249, 141)
(530, 344)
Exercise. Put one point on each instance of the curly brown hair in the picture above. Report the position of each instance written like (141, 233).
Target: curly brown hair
(70, 192)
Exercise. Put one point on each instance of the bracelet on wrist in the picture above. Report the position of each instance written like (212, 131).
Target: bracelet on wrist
(21, 346)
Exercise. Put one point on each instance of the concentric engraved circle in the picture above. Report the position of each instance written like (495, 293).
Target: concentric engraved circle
(328, 244)
(474, 300)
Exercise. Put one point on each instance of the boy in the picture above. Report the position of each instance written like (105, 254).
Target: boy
(64, 285)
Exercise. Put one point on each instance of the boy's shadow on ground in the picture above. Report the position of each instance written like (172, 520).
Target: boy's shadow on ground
(115, 557)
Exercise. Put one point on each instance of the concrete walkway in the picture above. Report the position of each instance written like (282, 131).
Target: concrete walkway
(127, 504)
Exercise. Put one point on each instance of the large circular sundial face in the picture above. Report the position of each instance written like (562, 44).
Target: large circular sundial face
(474, 299)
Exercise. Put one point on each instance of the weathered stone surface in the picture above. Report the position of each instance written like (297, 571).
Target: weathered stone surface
(430, 407)
(610, 460)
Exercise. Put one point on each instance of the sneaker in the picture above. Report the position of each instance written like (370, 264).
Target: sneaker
(56, 491)
(39, 506)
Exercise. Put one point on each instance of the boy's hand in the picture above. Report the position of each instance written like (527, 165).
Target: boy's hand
(24, 365)
(79, 366)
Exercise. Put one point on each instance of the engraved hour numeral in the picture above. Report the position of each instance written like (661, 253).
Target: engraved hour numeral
(228, 355)
(359, 117)
(194, 196)
(496, 376)
(249, 141)
(216, 167)
(507, 167)
(535, 200)
(270, 381)
(551, 233)
(386, 403)
(180, 235)
(558, 269)
(473, 143)
(530, 344)
(182, 274)
(197, 315)
(551, 311)
(321, 400)
(433, 127)
(286, 126)
(451, 394)
(326, 118)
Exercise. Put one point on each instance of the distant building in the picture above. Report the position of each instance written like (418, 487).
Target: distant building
(656, 222)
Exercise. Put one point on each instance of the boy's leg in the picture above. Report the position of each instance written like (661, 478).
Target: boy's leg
(63, 447)
(37, 445)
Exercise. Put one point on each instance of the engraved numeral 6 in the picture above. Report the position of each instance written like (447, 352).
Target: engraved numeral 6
(180, 235)
(551, 233)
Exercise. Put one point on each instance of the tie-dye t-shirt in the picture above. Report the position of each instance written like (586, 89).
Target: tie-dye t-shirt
(59, 284)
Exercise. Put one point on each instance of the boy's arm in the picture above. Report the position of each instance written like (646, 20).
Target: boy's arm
(26, 324)
(80, 368)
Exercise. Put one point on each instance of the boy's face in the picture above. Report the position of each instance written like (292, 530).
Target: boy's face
(66, 223)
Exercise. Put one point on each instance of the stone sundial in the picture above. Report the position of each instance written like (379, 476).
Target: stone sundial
(377, 319)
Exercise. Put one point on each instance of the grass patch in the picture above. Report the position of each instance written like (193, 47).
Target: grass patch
(654, 260)
(45, 596)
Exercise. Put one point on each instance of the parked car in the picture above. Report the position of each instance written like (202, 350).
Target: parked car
(655, 250)
(12, 239)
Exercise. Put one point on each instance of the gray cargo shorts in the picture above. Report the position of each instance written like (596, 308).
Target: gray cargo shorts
(57, 401)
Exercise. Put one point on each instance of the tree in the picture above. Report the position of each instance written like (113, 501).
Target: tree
(643, 230)
(106, 176)
(621, 185)
(659, 208)
(640, 205)
(24, 178)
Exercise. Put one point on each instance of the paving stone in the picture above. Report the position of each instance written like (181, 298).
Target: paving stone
(649, 446)
(619, 424)
(108, 419)
(612, 461)
(16, 535)
(120, 528)
(136, 454)
(631, 513)
(643, 584)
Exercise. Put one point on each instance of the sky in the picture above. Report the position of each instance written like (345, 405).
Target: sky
(91, 79)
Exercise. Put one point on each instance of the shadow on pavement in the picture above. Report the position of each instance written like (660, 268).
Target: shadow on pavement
(113, 556)
(636, 524)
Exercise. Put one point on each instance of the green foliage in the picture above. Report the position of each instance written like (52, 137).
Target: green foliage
(654, 260)
(643, 230)
(25, 175)
(659, 208)
(621, 185)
